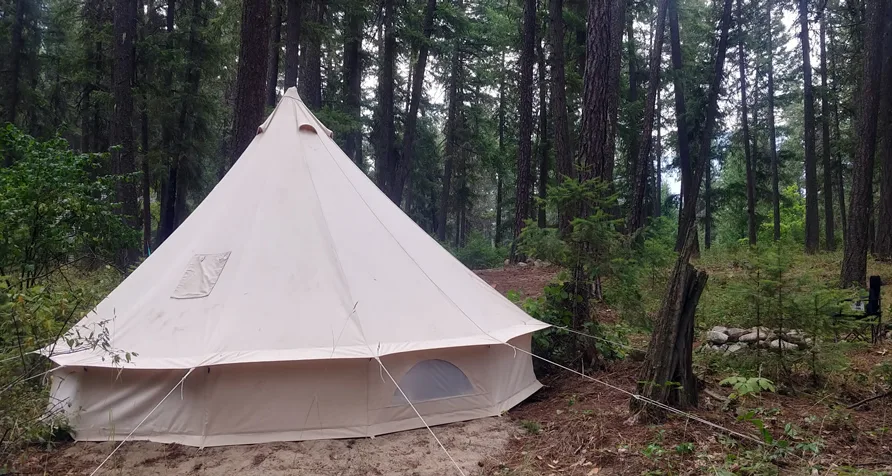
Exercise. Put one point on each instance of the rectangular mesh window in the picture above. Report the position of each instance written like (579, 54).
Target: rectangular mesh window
(200, 276)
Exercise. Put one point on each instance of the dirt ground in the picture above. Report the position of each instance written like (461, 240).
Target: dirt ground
(410, 453)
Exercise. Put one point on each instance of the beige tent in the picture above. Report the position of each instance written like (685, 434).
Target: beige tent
(279, 294)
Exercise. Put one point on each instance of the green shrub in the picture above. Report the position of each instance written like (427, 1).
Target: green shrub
(479, 253)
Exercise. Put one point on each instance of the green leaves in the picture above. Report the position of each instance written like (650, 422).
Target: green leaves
(748, 386)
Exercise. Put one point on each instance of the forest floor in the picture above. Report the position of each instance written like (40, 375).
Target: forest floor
(571, 427)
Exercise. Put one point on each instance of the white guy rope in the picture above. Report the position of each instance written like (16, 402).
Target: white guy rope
(597, 338)
(140, 423)
(644, 399)
(457, 467)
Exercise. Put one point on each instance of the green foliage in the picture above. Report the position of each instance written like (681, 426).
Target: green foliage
(531, 427)
(57, 226)
(748, 386)
(479, 253)
(54, 209)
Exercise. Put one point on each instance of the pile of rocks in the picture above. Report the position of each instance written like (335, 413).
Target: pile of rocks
(733, 340)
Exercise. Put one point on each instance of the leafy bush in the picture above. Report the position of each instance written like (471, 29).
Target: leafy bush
(479, 253)
(57, 226)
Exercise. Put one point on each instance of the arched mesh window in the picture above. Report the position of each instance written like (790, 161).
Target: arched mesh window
(432, 380)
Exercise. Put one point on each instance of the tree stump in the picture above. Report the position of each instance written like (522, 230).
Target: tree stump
(667, 375)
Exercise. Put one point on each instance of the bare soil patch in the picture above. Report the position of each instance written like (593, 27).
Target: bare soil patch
(410, 453)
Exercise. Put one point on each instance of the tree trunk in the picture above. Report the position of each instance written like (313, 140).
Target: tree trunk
(636, 210)
(597, 101)
(408, 151)
(501, 168)
(563, 154)
(525, 111)
(854, 263)
(251, 75)
(353, 83)
(883, 245)
(124, 158)
(15, 65)
(684, 148)
(292, 41)
(453, 125)
(772, 133)
(840, 194)
(750, 176)
(812, 227)
(617, 26)
(707, 208)
(544, 143)
(658, 152)
(667, 374)
(829, 228)
(275, 44)
(632, 98)
(385, 160)
(167, 196)
(310, 69)
(146, 179)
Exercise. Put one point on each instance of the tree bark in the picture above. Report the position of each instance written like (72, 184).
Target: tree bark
(353, 82)
(632, 96)
(812, 227)
(883, 245)
(772, 133)
(501, 170)
(124, 158)
(15, 65)
(684, 148)
(636, 210)
(667, 374)
(617, 27)
(310, 69)
(544, 143)
(598, 92)
(829, 228)
(750, 176)
(658, 153)
(525, 131)
(840, 194)
(707, 205)
(292, 41)
(385, 160)
(251, 75)
(146, 181)
(408, 150)
(854, 263)
(275, 44)
(453, 126)
(563, 154)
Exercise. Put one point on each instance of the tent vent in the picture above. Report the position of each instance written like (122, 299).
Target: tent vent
(433, 380)
(200, 276)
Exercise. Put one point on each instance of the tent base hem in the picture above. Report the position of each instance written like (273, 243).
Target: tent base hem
(317, 434)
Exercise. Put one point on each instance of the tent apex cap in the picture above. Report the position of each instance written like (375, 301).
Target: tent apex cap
(292, 93)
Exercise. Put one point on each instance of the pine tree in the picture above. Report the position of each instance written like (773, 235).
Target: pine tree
(854, 264)
(124, 157)
(251, 79)
(525, 110)
(292, 41)
(811, 179)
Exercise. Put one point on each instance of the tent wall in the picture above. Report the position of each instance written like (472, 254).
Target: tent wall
(288, 401)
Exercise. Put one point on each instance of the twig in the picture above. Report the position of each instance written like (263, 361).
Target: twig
(866, 400)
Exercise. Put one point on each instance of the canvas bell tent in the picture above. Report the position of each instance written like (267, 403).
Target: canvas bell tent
(281, 307)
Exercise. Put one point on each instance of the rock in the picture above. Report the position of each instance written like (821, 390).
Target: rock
(522, 264)
(734, 348)
(722, 329)
(734, 333)
(507, 262)
(542, 264)
(762, 330)
(779, 344)
(795, 337)
(751, 337)
(709, 348)
(716, 337)
(806, 343)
